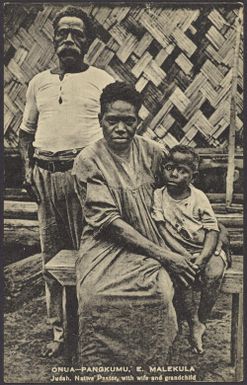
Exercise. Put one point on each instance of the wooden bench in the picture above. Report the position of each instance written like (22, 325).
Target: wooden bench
(62, 267)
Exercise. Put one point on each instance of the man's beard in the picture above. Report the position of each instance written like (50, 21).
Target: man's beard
(70, 54)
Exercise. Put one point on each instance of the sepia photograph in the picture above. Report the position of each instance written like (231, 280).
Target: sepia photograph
(123, 192)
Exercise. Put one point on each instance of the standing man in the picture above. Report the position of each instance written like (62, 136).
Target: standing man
(60, 118)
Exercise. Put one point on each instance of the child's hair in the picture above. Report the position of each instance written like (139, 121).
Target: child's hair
(193, 158)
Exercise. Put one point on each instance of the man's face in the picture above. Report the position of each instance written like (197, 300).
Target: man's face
(70, 40)
(177, 171)
(119, 123)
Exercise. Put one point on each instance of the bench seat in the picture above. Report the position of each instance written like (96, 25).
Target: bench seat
(62, 268)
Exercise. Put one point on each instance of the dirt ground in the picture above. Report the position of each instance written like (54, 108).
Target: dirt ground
(26, 332)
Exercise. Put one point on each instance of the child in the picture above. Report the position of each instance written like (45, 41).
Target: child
(187, 223)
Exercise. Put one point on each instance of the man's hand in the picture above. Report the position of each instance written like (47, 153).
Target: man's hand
(53, 349)
(182, 268)
(28, 184)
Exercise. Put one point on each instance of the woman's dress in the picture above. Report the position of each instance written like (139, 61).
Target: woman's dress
(126, 315)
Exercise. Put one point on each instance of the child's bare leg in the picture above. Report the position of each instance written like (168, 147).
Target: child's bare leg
(211, 281)
(197, 328)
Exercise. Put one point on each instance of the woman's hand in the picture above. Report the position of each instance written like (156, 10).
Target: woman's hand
(181, 267)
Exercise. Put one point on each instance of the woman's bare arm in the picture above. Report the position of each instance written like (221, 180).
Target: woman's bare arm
(173, 244)
(175, 263)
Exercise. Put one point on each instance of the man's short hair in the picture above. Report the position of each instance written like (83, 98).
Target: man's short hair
(186, 150)
(76, 12)
(120, 91)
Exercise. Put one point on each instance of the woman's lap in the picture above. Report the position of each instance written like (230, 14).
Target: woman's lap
(130, 328)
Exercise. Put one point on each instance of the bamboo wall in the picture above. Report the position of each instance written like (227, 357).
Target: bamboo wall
(179, 58)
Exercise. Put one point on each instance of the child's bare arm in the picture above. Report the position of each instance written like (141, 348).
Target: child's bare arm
(171, 242)
(210, 243)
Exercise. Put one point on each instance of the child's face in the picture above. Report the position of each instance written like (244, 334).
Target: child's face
(177, 171)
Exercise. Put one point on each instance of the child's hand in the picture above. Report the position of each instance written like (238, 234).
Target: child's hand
(201, 263)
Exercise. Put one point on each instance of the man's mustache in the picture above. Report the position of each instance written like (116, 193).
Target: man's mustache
(69, 50)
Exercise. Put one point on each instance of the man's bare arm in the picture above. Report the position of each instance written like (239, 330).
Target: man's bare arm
(26, 151)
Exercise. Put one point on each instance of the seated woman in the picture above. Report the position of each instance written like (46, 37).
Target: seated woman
(126, 314)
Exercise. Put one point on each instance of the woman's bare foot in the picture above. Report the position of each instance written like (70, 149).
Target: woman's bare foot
(197, 330)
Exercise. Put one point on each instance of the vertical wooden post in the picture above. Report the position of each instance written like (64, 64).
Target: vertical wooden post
(239, 352)
(234, 327)
(231, 144)
(237, 335)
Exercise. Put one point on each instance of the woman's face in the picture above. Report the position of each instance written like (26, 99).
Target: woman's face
(119, 123)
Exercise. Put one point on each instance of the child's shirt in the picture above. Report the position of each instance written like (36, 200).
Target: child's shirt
(187, 220)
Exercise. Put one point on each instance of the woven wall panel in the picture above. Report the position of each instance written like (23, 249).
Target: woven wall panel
(179, 58)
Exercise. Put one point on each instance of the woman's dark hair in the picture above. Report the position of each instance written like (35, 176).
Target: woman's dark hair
(186, 150)
(76, 12)
(120, 91)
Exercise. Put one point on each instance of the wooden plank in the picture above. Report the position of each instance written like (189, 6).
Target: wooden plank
(16, 194)
(231, 219)
(20, 210)
(219, 151)
(21, 232)
(220, 197)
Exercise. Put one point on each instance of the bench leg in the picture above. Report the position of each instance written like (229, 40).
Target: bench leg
(70, 323)
(65, 326)
(237, 334)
